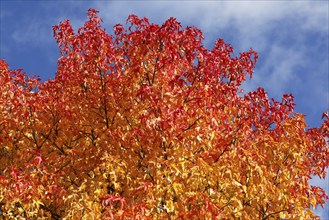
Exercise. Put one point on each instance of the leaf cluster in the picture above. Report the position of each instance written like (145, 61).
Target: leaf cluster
(149, 124)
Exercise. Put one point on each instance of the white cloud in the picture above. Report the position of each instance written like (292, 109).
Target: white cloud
(281, 74)
(266, 26)
(251, 17)
(35, 32)
(35, 27)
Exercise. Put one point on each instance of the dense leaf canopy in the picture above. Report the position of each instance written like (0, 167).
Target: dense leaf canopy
(149, 124)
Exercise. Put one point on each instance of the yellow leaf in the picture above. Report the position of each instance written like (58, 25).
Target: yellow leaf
(175, 167)
(91, 174)
(169, 206)
(244, 188)
(212, 135)
(98, 192)
(177, 188)
(313, 202)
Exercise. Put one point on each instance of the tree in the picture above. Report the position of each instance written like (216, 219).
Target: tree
(149, 124)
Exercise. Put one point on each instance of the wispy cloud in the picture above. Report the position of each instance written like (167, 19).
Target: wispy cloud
(33, 22)
(287, 35)
(35, 32)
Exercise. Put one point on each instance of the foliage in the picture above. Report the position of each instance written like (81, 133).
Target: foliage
(149, 124)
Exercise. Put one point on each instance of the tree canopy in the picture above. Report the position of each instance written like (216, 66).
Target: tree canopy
(147, 123)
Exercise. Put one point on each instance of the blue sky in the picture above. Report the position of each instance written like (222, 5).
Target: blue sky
(291, 38)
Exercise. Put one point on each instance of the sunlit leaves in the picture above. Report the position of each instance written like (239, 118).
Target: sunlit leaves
(150, 124)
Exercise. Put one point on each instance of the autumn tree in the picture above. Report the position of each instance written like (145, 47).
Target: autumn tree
(147, 123)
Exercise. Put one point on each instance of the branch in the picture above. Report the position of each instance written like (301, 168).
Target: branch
(194, 123)
(54, 215)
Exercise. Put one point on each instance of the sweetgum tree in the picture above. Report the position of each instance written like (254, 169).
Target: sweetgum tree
(149, 124)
